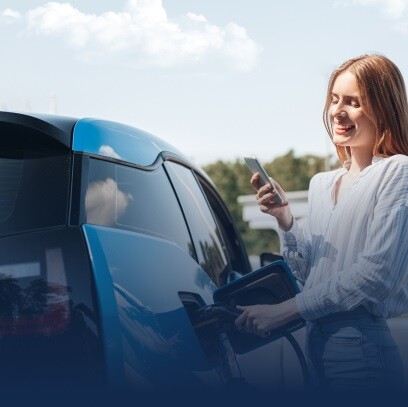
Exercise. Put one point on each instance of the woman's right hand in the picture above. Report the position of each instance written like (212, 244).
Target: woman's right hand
(265, 197)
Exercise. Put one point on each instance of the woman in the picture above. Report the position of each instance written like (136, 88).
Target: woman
(353, 256)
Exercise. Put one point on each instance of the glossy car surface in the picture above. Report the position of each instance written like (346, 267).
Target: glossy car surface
(113, 246)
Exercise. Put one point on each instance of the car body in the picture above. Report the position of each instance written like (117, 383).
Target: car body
(119, 263)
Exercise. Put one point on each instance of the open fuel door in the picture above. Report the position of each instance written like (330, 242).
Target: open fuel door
(271, 284)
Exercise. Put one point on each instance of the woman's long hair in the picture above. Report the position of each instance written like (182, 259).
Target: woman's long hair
(383, 99)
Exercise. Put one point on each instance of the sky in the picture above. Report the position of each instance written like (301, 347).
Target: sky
(218, 79)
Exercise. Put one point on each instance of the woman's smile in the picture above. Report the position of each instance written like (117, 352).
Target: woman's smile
(343, 129)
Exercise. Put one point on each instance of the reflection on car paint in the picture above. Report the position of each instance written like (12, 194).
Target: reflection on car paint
(30, 304)
(38, 308)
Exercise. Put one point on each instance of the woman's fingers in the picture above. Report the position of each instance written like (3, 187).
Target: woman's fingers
(240, 321)
(247, 321)
(266, 193)
(267, 198)
(255, 180)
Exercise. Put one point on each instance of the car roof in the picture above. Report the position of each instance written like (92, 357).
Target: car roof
(97, 137)
(119, 141)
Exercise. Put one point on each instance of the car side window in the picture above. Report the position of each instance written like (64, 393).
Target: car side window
(208, 242)
(133, 199)
(233, 243)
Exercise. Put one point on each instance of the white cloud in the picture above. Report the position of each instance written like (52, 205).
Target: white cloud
(105, 202)
(396, 8)
(196, 17)
(392, 8)
(143, 33)
(9, 15)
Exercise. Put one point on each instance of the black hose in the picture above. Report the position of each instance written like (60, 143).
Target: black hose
(301, 357)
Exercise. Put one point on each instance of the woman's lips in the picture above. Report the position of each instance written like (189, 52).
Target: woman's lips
(342, 128)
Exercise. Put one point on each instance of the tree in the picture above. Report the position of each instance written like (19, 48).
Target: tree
(294, 173)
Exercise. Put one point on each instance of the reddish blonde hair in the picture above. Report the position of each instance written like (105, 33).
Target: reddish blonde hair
(383, 99)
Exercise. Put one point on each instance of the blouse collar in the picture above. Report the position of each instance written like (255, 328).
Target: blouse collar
(375, 160)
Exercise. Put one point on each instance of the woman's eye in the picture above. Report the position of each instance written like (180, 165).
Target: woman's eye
(334, 102)
(355, 104)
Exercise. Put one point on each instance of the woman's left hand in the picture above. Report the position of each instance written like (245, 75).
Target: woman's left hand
(262, 318)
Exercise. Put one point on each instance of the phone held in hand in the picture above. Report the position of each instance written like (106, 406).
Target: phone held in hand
(255, 166)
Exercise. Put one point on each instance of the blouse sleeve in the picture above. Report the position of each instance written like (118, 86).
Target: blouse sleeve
(296, 244)
(295, 249)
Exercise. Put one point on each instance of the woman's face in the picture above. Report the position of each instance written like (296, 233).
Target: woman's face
(351, 126)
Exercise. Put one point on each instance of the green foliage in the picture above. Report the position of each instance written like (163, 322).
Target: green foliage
(294, 173)
(232, 179)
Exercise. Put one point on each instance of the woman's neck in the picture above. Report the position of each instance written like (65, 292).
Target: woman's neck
(360, 160)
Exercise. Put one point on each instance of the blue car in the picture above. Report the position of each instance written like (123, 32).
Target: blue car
(120, 265)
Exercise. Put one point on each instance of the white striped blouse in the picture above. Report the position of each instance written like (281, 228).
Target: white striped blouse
(355, 252)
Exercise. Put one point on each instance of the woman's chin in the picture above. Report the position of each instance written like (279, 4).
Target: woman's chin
(340, 143)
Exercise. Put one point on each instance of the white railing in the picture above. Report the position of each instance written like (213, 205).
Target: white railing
(260, 220)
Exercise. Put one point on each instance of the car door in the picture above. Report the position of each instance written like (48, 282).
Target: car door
(158, 261)
(214, 231)
(145, 267)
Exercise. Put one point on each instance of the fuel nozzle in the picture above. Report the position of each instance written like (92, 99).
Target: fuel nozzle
(219, 315)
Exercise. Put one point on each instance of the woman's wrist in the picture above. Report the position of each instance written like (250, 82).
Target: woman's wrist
(286, 223)
(292, 311)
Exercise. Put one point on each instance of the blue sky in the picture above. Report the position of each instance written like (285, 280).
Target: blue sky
(219, 79)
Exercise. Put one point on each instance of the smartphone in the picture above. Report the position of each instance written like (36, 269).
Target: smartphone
(255, 166)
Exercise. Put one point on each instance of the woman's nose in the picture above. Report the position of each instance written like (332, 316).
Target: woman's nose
(339, 110)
